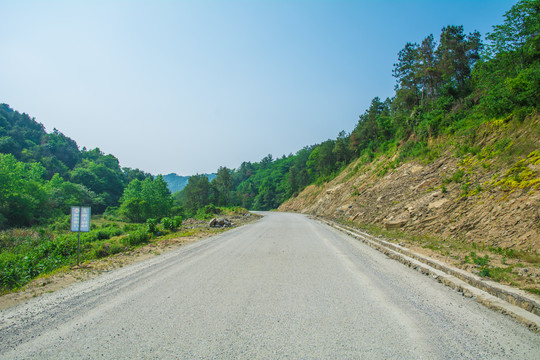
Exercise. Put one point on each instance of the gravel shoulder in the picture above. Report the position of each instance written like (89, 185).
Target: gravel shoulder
(64, 277)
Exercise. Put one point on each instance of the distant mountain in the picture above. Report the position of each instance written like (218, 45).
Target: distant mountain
(176, 182)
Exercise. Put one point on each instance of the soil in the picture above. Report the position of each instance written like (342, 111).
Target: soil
(67, 276)
(412, 198)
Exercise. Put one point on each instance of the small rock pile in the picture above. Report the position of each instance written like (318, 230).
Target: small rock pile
(220, 222)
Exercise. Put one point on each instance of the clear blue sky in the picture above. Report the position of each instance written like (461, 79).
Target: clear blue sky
(188, 86)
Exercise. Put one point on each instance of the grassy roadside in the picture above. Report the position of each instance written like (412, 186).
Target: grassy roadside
(517, 268)
(97, 255)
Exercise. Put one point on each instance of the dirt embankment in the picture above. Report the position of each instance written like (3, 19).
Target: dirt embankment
(491, 197)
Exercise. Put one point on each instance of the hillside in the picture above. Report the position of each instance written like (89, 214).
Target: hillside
(43, 174)
(489, 195)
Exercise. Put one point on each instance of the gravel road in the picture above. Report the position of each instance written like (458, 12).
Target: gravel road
(285, 287)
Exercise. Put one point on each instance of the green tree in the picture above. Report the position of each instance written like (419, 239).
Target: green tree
(521, 24)
(23, 198)
(508, 76)
(223, 184)
(456, 55)
(428, 75)
(145, 199)
(64, 194)
(196, 193)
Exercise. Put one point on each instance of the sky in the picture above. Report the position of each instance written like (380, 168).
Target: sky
(189, 86)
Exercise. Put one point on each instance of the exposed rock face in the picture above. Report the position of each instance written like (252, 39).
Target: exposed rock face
(421, 199)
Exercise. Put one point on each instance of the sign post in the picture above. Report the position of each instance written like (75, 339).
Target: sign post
(80, 221)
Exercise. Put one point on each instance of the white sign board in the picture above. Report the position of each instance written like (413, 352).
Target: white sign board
(80, 218)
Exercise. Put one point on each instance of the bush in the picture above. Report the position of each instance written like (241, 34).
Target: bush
(130, 227)
(102, 251)
(177, 221)
(167, 223)
(106, 249)
(151, 226)
(62, 224)
(11, 274)
(137, 238)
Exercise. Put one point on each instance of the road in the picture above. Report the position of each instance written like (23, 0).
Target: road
(285, 287)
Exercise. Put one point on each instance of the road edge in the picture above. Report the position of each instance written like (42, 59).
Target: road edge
(506, 300)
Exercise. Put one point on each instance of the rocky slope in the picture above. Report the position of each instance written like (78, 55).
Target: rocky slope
(488, 193)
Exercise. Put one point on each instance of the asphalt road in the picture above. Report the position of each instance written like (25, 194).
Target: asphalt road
(285, 287)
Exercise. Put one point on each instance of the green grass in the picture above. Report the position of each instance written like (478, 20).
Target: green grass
(532, 290)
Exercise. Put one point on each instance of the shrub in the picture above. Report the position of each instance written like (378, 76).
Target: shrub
(102, 251)
(129, 227)
(137, 238)
(151, 225)
(167, 223)
(177, 221)
(103, 235)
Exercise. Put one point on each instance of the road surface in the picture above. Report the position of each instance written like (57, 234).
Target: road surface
(285, 287)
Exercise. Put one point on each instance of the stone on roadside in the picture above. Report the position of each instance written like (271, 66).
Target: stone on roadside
(219, 222)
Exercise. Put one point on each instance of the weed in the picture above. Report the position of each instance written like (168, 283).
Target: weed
(532, 290)
(458, 176)
(485, 271)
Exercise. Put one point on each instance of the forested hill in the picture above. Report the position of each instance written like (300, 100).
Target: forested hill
(177, 182)
(449, 88)
(42, 174)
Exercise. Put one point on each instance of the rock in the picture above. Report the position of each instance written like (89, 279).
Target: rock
(437, 204)
(219, 222)
(425, 184)
(354, 217)
(395, 224)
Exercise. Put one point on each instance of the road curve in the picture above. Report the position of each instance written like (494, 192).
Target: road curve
(285, 287)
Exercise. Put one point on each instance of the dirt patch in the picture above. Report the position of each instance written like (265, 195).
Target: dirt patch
(193, 231)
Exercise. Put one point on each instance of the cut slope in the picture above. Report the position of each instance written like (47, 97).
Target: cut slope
(487, 196)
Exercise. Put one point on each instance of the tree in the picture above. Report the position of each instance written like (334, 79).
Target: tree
(266, 161)
(406, 71)
(341, 148)
(23, 198)
(508, 77)
(63, 148)
(429, 76)
(64, 194)
(223, 184)
(197, 192)
(521, 24)
(373, 126)
(322, 161)
(456, 55)
(146, 199)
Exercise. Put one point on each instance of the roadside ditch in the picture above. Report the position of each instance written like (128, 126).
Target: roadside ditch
(518, 304)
